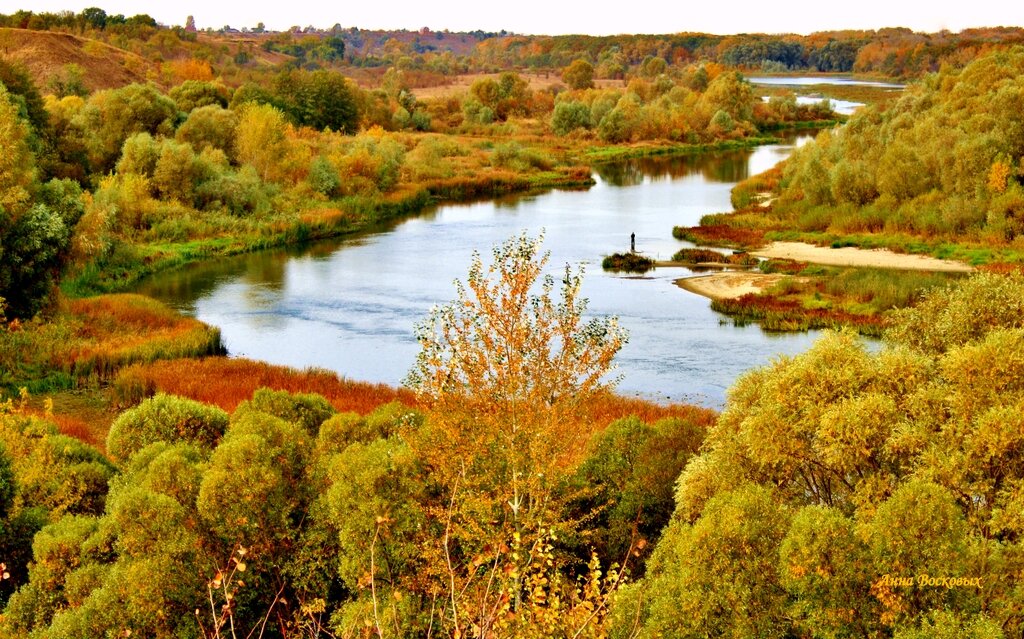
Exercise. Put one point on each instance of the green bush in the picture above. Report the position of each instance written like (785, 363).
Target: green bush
(254, 487)
(569, 116)
(323, 177)
(139, 155)
(194, 94)
(7, 484)
(628, 480)
(385, 421)
(209, 127)
(240, 193)
(309, 410)
(630, 262)
(515, 156)
(165, 418)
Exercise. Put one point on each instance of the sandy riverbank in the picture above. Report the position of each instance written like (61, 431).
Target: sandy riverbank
(853, 256)
(728, 285)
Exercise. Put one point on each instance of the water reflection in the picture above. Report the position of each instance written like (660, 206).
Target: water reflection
(728, 166)
(794, 81)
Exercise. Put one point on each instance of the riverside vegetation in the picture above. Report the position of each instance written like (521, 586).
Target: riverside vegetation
(832, 482)
(938, 171)
(506, 492)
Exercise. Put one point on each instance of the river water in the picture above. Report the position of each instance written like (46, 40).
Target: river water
(801, 81)
(350, 305)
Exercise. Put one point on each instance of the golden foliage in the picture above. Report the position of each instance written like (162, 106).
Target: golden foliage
(507, 374)
(998, 176)
(190, 69)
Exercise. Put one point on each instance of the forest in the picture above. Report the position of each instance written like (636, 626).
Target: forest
(151, 487)
(890, 52)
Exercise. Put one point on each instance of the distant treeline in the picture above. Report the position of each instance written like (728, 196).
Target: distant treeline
(892, 52)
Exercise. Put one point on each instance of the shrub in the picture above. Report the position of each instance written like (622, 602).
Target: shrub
(569, 116)
(209, 127)
(194, 94)
(323, 177)
(307, 409)
(630, 262)
(515, 156)
(165, 418)
(240, 193)
(343, 429)
(139, 155)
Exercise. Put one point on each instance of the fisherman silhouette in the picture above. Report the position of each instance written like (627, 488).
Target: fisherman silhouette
(632, 242)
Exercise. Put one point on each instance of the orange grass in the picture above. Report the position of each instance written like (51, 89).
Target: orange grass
(115, 330)
(721, 235)
(227, 382)
(328, 217)
(92, 338)
(1002, 268)
(91, 432)
(608, 407)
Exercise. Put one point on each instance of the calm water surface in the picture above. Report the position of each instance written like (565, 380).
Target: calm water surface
(350, 305)
(795, 81)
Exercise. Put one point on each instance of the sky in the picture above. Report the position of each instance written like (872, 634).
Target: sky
(553, 17)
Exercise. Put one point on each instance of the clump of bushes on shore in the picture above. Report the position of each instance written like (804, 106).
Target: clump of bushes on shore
(707, 256)
(629, 262)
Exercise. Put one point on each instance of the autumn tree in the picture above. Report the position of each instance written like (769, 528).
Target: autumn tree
(729, 92)
(111, 117)
(319, 99)
(261, 141)
(506, 371)
(579, 75)
(35, 219)
(210, 127)
(17, 163)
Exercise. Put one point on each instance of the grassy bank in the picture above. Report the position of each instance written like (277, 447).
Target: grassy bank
(129, 260)
(643, 150)
(815, 297)
(127, 263)
(758, 220)
(85, 341)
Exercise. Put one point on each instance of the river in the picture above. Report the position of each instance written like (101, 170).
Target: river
(350, 305)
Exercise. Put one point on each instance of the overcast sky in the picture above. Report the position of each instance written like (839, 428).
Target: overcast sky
(554, 17)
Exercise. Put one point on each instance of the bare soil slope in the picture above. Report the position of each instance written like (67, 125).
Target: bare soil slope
(45, 53)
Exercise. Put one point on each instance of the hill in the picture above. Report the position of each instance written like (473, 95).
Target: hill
(46, 55)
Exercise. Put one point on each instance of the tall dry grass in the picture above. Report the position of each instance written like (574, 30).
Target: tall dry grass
(90, 339)
(117, 330)
(227, 382)
(609, 407)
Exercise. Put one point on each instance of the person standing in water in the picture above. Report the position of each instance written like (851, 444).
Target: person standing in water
(632, 242)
